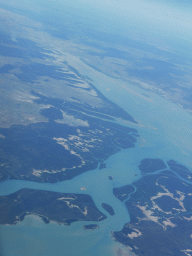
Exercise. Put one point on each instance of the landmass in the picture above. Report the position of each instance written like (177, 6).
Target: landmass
(108, 208)
(62, 124)
(148, 165)
(54, 151)
(54, 134)
(160, 215)
(62, 208)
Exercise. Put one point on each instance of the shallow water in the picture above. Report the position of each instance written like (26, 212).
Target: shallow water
(165, 131)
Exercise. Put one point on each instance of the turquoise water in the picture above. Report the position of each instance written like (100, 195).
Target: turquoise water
(165, 131)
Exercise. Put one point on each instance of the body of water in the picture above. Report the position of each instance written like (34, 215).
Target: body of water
(165, 131)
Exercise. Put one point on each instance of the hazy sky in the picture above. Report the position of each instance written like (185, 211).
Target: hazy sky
(164, 22)
(173, 16)
(172, 13)
(170, 18)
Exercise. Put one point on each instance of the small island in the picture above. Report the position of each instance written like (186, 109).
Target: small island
(90, 227)
(108, 208)
(122, 193)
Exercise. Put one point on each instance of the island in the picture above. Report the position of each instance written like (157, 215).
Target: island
(62, 208)
(122, 193)
(108, 208)
(90, 227)
(181, 170)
